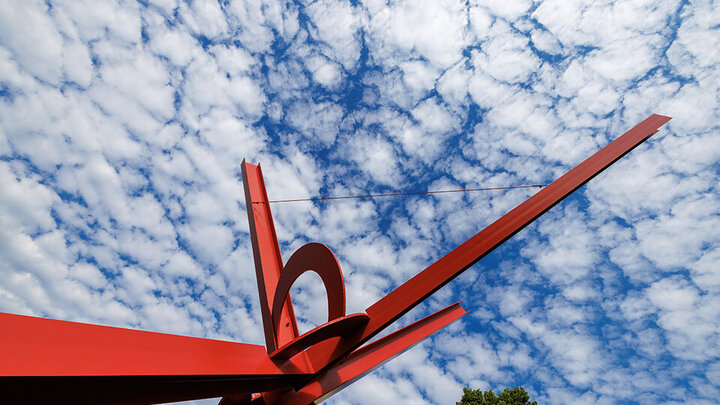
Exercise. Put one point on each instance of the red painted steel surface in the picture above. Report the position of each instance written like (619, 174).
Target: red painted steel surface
(370, 357)
(38, 347)
(408, 295)
(46, 361)
(268, 261)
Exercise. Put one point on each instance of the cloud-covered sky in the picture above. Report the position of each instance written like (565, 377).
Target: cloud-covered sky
(123, 125)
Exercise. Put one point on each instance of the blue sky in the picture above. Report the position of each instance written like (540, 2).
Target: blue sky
(123, 125)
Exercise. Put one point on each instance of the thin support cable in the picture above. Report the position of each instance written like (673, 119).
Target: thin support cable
(399, 194)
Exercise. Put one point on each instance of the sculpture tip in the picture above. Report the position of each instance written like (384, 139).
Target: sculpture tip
(662, 118)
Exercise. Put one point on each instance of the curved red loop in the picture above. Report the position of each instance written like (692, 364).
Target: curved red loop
(320, 259)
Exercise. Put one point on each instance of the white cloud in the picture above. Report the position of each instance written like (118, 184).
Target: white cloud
(166, 5)
(25, 202)
(687, 317)
(545, 41)
(253, 22)
(480, 21)
(208, 87)
(175, 44)
(692, 107)
(325, 72)
(695, 51)
(206, 18)
(570, 252)
(103, 19)
(419, 75)
(150, 88)
(375, 156)
(39, 50)
(434, 118)
(336, 24)
(320, 122)
(77, 64)
(627, 59)
(591, 23)
(673, 295)
(430, 29)
(677, 239)
(453, 85)
(508, 9)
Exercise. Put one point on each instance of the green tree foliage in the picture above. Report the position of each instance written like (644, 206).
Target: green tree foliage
(515, 396)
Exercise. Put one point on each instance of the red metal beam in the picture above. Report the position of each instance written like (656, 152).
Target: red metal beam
(31, 346)
(408, 295)
(268, 261)
(45, 360)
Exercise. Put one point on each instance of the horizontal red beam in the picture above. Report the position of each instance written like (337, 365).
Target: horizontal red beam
(35, 347)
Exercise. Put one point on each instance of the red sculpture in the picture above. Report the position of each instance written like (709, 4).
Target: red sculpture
(51, 361)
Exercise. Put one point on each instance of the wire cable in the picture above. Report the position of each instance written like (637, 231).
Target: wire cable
(464, 190)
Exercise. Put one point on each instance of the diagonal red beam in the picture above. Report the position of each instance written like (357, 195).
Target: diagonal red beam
(408, 295)
(367, 358)
(425, 283)
(268, 261)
